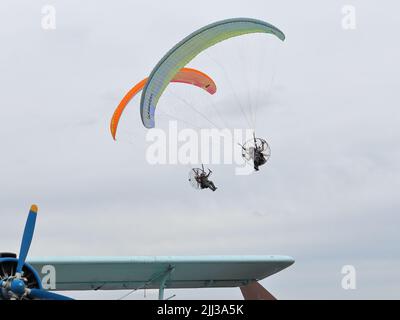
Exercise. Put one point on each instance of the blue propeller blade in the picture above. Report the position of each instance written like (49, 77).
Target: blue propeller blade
(27, 237)
(46, 295)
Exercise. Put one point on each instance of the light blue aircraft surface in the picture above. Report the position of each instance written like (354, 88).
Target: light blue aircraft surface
(21, 279)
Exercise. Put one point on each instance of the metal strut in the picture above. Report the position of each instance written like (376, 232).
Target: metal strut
(163, 282)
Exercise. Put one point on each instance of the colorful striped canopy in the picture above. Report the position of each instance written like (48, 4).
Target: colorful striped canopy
(185, 75)
(186, 50)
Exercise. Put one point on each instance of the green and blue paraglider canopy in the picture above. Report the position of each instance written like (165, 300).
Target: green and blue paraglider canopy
(187, 49)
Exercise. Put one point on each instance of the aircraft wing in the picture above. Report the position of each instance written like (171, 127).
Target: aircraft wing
(119, 273)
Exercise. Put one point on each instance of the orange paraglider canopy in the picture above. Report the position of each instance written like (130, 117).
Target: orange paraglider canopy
(185, 75)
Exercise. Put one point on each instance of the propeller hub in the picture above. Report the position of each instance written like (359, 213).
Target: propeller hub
(18, 287)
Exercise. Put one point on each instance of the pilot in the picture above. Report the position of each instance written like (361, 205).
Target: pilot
(258, 158)
(203, 181)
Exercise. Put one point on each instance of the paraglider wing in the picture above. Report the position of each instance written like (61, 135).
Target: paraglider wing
(121, 107)
(196, 78)
(185, 75)
(186, 50)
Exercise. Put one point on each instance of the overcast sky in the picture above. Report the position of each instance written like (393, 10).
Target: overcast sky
(328, 197)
